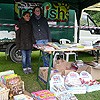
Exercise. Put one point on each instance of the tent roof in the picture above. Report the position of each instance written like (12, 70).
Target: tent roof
(77, 5)
(95, 7)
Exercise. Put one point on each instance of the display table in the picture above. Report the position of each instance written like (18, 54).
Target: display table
(50, 48)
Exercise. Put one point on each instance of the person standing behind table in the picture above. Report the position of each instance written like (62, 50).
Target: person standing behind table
(24, 41)
(41, 31)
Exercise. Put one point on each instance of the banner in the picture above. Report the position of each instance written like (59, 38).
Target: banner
(51, 11)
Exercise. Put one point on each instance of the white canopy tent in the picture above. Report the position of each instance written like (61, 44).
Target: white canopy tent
(95, 7)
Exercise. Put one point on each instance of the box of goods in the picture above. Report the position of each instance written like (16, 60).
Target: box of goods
(7, 77)
(94, 71)
(22, 97)
(92, 67)
(73, 83)
(62, 65)
(65, 67)
(43, 73)
(4, 92)
(79, 63)
(91, 85)
(58, 88)
(66, 72)
(55, 71)
(82, 68)
(66, 96)
(61, 93)
(43, 95)
(57, 81)
(6, 73)
(16, 85)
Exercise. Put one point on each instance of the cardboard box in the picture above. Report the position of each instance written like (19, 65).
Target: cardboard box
(95, 72)
(62, 65)
(43, 73)
(65, 73)
(83, 68)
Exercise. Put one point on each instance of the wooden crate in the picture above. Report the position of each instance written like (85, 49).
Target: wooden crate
(4, 93)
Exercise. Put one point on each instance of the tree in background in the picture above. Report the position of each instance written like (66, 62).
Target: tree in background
(95, 16)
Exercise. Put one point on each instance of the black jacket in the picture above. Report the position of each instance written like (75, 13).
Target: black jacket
(24, 35)
(40, 28)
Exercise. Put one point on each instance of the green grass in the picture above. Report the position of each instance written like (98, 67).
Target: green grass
(30, 80)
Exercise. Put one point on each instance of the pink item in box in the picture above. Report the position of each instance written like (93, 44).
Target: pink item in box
(43, 95)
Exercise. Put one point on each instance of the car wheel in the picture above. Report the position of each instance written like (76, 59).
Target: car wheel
(15, 55)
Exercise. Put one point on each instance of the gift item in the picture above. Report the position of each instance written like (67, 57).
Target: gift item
(76, 89)
(5, 73)
(73, 79)
(17, 88)
(79, 63)
(6, 77)
(73, 83)
(13, 80)
(66, 96)
(22, 97)
(91, 85)
(43, 95)
(94, 86)
(58, 88)
(84, 75)
(15, 84)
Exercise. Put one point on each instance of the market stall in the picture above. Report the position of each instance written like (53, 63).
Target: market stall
(55, 47)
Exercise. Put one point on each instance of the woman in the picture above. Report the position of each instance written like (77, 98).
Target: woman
(24, 41)
(41, 31)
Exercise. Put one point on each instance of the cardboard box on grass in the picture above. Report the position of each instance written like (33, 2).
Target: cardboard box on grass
(43, 73)
(94, 71)
(62, 65)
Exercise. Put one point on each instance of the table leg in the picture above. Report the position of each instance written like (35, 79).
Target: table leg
(49, 71)
(98, 54)
(38, 65)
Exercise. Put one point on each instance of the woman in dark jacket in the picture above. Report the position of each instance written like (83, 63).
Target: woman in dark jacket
(24, 41)
(41, 31)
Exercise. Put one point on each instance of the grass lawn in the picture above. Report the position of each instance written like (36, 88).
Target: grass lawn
(30, 81)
